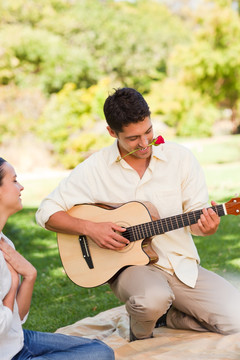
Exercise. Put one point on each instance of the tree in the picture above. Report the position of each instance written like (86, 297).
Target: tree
(211, 63)
(50, 43)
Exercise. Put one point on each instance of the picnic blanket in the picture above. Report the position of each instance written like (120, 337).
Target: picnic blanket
(112, 327)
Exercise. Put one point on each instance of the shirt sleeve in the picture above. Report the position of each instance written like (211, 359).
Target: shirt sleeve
(71, 191)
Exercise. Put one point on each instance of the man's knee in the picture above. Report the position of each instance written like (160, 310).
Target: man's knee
(149, 307)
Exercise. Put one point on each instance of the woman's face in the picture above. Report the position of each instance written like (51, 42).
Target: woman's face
(10, 190)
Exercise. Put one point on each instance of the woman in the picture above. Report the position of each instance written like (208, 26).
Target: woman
(15, 296)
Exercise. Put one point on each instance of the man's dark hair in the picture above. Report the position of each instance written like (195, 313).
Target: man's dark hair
(123, 107)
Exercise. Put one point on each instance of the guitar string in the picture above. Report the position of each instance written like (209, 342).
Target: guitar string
(151, 228)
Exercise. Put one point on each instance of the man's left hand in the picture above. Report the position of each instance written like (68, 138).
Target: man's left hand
(208, 222)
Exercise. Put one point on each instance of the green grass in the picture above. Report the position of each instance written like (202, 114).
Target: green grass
(58, 302)
(215, 150)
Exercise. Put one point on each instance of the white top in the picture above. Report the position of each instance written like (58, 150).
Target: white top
(11, 333)
(173, 182)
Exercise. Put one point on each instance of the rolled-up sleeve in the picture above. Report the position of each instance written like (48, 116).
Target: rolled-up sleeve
(71, 190)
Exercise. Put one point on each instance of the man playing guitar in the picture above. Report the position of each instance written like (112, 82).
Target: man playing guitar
(168, 176)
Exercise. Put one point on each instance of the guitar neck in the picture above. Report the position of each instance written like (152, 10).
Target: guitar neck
(161, 226)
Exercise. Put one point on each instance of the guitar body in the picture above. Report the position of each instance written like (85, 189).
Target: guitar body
(88, 265)
(106, 263)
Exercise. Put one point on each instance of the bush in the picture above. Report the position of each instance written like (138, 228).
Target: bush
(40, 58)
(73, 122)
(182, 108)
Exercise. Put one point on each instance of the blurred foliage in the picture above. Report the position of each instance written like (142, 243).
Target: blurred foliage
(72, 122)
(19, 111)
(63, 57)
(211, 63)
(50, 43)
(181, 107)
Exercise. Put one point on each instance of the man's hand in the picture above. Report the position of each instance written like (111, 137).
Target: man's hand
(208, 222)
(106, 235)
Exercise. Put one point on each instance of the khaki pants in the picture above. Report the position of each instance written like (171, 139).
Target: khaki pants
(148, 292)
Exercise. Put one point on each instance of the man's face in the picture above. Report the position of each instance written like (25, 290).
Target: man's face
(135, 136)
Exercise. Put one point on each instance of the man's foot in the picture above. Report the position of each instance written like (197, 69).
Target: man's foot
(132, 337)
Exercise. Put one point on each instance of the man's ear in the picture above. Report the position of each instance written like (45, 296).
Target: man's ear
(112, 132)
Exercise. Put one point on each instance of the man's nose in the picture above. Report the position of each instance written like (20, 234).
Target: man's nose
(143, 141)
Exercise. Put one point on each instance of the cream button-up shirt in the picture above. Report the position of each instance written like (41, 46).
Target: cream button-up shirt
(173, 182)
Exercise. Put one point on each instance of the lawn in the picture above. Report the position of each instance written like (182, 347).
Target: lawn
(58, 302)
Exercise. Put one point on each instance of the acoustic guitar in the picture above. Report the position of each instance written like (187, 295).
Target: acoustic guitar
(88, 265)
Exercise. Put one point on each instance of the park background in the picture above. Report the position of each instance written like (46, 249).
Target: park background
(59, 60)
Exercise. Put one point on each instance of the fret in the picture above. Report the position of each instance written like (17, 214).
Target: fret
(185, 220)
(179, 221)
(153, 229)
(172, 227)
(161, 226)
(138, 233)
(174, 221)
(220, 210)
(157, 224)
(195, 218)
(149, 229)
(165, 225)
(148, 232)
(156, 228)
(191, 218)
(134, 233)
(128, 234)
(141, 231)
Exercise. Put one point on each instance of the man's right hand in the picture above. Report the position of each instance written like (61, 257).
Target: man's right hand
(106, 235)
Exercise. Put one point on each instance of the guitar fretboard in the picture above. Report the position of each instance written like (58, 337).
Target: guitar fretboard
(161, 226)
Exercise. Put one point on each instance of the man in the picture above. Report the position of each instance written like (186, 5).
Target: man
(176, 288)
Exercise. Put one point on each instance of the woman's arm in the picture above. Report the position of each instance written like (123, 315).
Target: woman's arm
(18, 265)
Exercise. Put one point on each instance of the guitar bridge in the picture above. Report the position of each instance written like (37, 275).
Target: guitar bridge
(85, 250)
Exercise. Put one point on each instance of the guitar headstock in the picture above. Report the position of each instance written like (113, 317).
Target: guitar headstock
(233, 206)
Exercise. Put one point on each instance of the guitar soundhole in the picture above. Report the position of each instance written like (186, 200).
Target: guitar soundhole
(130, 245)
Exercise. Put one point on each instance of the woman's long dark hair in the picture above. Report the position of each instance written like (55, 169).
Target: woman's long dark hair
(2, 161)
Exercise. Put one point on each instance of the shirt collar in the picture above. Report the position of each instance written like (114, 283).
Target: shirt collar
(158, 152)
(114, 153)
